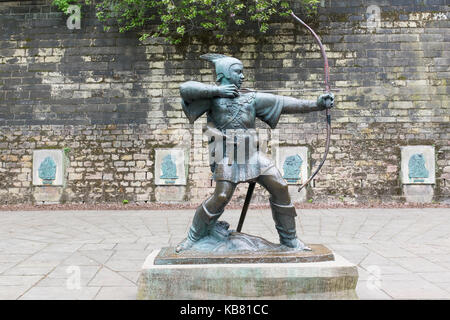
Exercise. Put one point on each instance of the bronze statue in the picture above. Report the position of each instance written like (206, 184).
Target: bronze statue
(230, 109)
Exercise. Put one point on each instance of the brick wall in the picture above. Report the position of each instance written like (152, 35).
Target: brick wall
(111, 99)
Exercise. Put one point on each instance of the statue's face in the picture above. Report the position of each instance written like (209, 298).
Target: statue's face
(236, 75)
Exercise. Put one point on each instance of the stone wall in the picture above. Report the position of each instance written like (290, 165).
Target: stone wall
(110, 100)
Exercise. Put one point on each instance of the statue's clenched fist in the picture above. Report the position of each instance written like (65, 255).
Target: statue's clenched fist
(326, 101)
(227, 91)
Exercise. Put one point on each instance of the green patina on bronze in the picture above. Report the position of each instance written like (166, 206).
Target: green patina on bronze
(47, 170)
(416, 166)
(231, 117)
(169, 169)
(275, 254)
(292, 168)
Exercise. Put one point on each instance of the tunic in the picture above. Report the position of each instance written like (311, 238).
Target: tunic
(235, 119)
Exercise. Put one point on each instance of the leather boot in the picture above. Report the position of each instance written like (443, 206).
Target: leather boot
(202, 224)
(284, 217)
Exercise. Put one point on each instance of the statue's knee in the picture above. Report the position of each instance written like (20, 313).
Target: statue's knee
(222, 198)
(281, 188)
(218, 202)
(280, 193)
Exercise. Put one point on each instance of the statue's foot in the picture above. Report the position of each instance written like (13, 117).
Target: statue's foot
(295, 244)
(220, 231)
(184, 245)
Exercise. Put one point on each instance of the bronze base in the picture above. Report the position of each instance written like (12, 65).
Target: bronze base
(168, 256)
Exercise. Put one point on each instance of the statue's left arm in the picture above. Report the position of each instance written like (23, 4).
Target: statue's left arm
(269, 107)
(293, 105)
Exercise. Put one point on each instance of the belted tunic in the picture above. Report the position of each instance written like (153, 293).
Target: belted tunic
(235, 119)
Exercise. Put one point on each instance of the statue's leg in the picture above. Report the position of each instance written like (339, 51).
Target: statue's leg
(207, 214)
(283, 211)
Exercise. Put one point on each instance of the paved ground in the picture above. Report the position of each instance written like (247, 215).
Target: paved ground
(400, 253)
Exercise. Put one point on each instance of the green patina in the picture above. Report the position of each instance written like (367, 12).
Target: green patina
(416, 166)
(169, 169)
(292, 168)
(47, 170)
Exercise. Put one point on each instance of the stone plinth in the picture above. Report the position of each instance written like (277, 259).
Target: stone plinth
(418, 193)
(170, 193)
(308, 280)
(48, 195)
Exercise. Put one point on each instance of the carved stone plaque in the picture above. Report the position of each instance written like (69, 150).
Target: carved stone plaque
(48, 167)
(293, 163)
(418, 165)
(170, 167)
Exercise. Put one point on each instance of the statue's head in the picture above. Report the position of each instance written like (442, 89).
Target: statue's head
(228, 69)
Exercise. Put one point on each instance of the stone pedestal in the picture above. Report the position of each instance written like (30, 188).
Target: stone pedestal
(334, 279)
(170, 193)
(48, 195)
(418, 193)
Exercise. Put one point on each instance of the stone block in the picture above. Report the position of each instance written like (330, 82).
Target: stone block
(418, 193)
(170, 193)
(48, 194)
(314, 280)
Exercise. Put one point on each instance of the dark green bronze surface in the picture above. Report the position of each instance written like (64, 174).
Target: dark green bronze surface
(231, 124)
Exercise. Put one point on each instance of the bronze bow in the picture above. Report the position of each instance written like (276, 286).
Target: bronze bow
(327, 89)
(327, 147)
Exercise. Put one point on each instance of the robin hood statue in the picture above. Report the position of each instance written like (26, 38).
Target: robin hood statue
(231, 114)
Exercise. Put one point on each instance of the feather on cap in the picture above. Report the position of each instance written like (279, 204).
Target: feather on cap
(213, 56)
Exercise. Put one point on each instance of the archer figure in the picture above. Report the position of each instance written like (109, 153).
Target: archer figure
(227, 109)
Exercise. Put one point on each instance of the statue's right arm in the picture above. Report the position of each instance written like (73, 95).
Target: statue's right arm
(196, 99)
(193, 90)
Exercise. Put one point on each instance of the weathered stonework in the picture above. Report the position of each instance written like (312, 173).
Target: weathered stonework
(112, 99)
(334, 279)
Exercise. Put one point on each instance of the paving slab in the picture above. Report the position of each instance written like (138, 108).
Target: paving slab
(60, 293)
(117, 293)
(12, 292)
(419, 264)
(25, 281)
(400, 253)
(366, 290)
(108, 278)
(413, 290)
